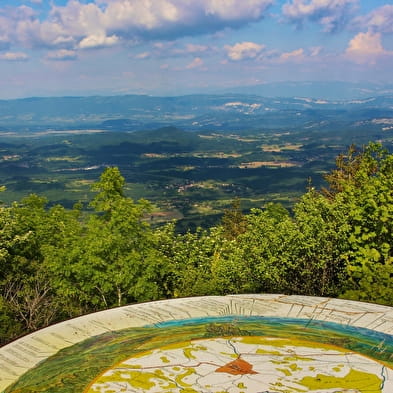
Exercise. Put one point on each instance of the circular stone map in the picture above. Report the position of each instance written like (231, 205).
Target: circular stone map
(239, 343)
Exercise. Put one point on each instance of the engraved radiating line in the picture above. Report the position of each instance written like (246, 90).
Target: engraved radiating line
(227, 309)
(321, 307)
(170, 313)
(185, 311)
(252, 307)
(329, 315)
(290, 310)
(310, 321)
(101, 325)
(333, 309)
(236, 308)
(360, 317)
(300, 311)
(66, 340)
(232, 306)
(379, 325)
(375, 320)
(316, 316)
(320, 316)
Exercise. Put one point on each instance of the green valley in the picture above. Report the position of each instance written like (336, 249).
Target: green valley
(188, 175)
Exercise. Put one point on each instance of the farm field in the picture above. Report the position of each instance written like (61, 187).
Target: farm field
(189, 176)
(190, 156)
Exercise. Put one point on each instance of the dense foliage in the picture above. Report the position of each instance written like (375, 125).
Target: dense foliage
(57, 263)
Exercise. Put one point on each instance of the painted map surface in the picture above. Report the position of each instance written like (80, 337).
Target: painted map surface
(245, 364)
(249, 343)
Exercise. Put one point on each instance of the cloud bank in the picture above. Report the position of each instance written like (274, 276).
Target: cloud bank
(366, 48)
(333, 15)
(244, 50)
(379, 20)
(14, 56)
(108, 22)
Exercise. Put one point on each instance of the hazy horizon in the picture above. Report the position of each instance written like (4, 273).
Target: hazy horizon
(178, 47)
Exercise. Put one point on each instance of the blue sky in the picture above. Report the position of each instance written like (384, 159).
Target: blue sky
(169, 47)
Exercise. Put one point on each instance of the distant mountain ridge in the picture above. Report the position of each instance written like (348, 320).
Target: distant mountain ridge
(334, 90)
(192, 112)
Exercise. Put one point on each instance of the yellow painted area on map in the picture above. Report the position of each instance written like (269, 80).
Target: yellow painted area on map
(141, 354)
(298, 358)
(357, 380)
(188, 351)
(179, 345)
(180, 377)
(165, 383)
(189, 390)
(285, 342)
(283, 364)
(135, 366)
(285, 371)
(280, 362)
(295, 367)
(232, 355)
(134, 378)
(261, 351)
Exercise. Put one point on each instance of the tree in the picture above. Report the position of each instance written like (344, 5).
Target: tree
(114, 261)
(367, 197)
(110, 189)
(347, 166)
(27, 230)
(318, 264)
(190, 256)
(260, 257)
(233, 221)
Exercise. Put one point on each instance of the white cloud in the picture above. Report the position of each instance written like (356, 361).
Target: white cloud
(14, 56)
(196, 63)
(62, 55)
(235, 9)
(9, 20)
(366, 48)
(64, 26)
(105, 22)
(194, 48)
(169, 15)
(189, 49)
(379, 20)
(315, 51)
(78, 19)
(172, 49)
(98, 41)
(244, 50)
(331, 14)
(19, 13)
(143, 55)
(296, 54)
(142, 15)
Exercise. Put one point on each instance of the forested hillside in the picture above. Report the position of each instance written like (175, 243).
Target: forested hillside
(57, 263)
